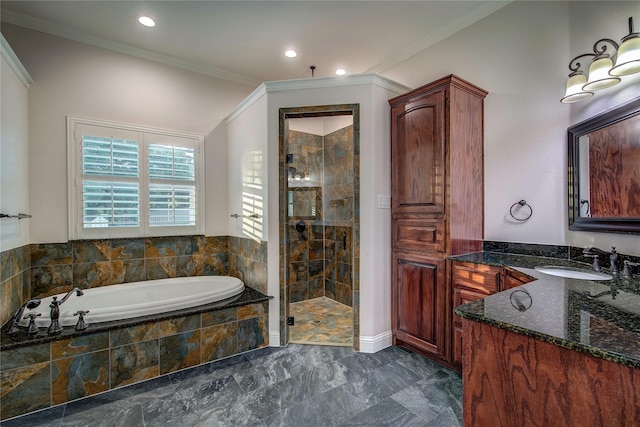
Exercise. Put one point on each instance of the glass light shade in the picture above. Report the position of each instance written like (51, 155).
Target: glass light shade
(574, 92)
(628, 61)
(599, 77)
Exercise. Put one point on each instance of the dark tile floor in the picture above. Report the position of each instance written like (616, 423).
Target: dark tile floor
(298, 385)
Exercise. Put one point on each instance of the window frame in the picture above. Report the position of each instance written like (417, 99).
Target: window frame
(145, 136)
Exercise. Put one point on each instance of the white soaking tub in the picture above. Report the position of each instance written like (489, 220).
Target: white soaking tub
(136, 299)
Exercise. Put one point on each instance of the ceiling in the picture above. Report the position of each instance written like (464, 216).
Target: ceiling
(244, 41)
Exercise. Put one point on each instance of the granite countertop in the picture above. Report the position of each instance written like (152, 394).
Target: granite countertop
(600, 318)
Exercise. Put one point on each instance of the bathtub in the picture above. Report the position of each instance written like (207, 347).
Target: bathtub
(136, 299)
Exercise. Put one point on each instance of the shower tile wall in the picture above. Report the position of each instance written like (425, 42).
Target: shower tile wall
(339, 214)
(306, 252)
(320, 259)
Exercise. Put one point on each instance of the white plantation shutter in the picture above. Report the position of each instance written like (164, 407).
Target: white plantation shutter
(110, 189)
(130, 182)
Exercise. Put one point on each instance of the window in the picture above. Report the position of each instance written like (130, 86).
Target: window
(130, 181)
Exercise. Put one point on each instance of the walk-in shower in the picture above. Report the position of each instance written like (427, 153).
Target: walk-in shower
(319, 215)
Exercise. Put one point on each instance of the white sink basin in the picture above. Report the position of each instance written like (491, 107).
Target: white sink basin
(573, 273)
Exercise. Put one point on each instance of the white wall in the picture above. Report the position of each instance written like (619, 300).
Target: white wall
(375, 175)
(520, 54)
(78, 79)
(14, 150)
(258, 116)
(247, 135)
(589, 23)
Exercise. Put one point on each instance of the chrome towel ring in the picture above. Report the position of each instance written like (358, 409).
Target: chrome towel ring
(517, 206)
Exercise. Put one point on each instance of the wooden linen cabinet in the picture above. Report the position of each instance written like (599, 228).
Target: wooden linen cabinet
(437, 205)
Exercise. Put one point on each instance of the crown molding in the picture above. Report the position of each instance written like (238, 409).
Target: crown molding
(14, 62)
(31, 23)
(315, 83)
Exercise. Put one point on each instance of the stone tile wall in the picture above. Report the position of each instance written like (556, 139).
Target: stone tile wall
(339, 177)
(319, 262)
(15, 280)
(338, 277)
(58, 267)
(248, 262)
(43, 375)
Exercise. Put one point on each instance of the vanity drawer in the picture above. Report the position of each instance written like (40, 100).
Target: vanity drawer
(419, 234)
(477, 277)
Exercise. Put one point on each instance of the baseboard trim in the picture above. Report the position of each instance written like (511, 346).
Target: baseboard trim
(274, 339)
(375, 343)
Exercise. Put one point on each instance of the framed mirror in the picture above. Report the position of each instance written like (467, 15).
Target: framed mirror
(604, 171)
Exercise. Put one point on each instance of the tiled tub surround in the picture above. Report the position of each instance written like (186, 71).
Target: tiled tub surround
(47, 269)
(43, 371)
(15, 280)
(51, 268)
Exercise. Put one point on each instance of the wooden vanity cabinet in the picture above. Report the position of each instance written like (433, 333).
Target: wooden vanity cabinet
(436, 205)
(514, 278)
(470, 282)
(509, 379)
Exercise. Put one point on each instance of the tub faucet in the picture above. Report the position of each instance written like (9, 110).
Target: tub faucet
(13, 323)
(55, 327)
(593, 252)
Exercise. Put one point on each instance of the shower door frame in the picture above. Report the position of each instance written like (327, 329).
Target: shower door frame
(308, 112)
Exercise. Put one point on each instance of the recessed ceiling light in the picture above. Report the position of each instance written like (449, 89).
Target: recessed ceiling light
(291, 53)
(341, 72)
(146, 21)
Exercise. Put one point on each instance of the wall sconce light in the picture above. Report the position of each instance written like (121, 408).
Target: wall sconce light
(602, 71)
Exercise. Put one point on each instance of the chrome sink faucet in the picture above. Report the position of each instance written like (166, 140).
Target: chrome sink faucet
(55, 327)
(593, 252)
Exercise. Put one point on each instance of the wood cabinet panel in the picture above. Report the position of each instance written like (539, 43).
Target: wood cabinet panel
(418, 155)
(419, 234)
(436, 205)
(513, 279)
(460, 296)
(470, 282)
(512, 380)
(419, 302)
(478, 277)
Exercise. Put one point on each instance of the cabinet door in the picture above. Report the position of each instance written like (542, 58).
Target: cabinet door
(417, 155)
(426, 235)
(469, 282)
(419, 314)
(513, 279)
(476, 277)
(460, 296)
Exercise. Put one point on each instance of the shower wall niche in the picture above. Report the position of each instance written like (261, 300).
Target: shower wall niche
(321, 175)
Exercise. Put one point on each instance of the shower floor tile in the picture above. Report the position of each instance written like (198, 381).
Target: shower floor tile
(321, 321)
